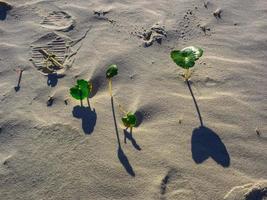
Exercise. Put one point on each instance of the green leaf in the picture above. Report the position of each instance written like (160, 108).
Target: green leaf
(186, 57)
(129, 120)
(84, 87)
(183, 60)
(81, 90)
(75, 93)
(196, 51)
(112, 71)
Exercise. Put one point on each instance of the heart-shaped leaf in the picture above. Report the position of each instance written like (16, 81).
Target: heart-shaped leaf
(129, 120)
(196, 51)
(186, 57)
(81, 90)
(112, 71)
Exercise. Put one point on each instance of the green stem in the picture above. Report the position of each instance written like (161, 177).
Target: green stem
(186, 74)
(81, 98)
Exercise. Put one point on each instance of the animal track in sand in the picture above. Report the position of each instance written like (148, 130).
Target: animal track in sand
(101, 15)
(190, 27)
(155, 34)
(251, 191)
(58, 20)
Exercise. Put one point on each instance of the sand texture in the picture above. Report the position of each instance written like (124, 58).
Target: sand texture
(201, 140)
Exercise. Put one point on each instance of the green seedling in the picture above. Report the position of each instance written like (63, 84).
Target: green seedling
(50, 58)
(129, 120)
(186, 58)
(110, 73)
(81, 90)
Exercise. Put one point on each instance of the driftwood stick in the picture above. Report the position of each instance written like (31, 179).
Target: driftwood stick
(50, 57)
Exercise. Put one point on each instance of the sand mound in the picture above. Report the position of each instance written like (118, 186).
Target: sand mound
(253, 191)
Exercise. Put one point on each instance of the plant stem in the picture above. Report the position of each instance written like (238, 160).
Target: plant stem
(186, 74)
(88, 102)
(110, 86)
(131, 130)
(81, 98)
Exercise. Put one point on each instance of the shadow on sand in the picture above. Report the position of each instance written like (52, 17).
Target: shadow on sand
(17, 87)
(206, 143)
(128, 135)
(87, 116)
(4, 8)
(121, 155)
(52, 80)
(140, 117)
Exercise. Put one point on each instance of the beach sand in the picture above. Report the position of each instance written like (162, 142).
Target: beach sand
(51, 148)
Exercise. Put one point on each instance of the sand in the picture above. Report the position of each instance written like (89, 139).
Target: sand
(51, 148)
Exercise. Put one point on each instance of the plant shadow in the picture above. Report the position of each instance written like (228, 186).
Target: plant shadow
(121, 155)
(140, 117)
(17, 87)
(96, 82)
(52, 80)
(128, 135)
(206, 143)
(4, 8)
(125, 162)
(87, 116)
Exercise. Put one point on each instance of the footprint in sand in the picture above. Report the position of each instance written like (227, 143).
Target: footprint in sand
(251, 191)
(53, 44)
(58, 20)
(174, 186)
(60, 49)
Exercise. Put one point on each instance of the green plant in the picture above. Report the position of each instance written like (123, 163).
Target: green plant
(110, 73)
(129, 120)
(186, 58)
(81, 90)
